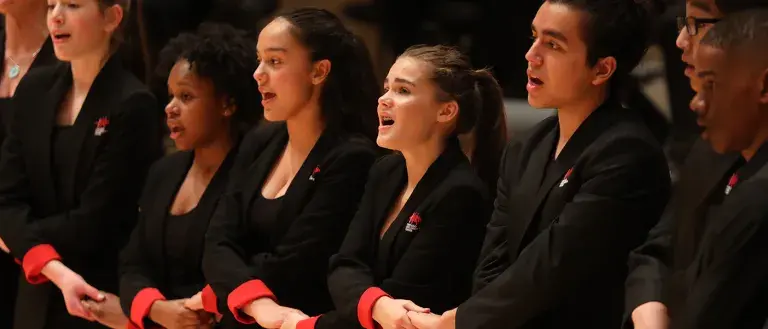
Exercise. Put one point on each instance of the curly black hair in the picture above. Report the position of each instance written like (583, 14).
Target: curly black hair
(226, 56)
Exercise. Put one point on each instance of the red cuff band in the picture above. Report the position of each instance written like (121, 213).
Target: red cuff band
(365, 306)
(307, 323)
(141, 305)
(34, 261)
(209, 300)
(243, 295)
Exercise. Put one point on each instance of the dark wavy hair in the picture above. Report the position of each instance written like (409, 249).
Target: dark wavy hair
(226, 57)
(351, 91)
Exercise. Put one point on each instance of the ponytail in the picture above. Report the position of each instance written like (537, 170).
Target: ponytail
(490, 128)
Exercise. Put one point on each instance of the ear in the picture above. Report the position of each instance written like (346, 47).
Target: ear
(113, 16)
(448, 112)
(229, 107)
(764, 87)
(604, 69)
(320, 71)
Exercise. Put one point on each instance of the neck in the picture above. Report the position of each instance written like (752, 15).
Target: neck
(304, 130)
(25, 31)
(760, 139)
(420, 157)
(86, 68)
(208, 158)
(570, 117)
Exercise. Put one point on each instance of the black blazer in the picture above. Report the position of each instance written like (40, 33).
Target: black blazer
(314, 217)
(87, 221)
(604, 192)
(144, 268)
(672, 243)
(9, 271)
(707, 262)
(428, 253)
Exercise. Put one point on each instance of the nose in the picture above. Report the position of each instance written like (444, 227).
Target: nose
(533, 57)
(683, 40)
(385, 101)
(698, 104)
(172, 110)
(55, 15)
(259, 75)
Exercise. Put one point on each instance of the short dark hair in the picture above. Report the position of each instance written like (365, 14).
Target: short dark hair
(617, 28)
(728, 7)
(350, 94)
(227, 57)
(480, 99)
(745, 30)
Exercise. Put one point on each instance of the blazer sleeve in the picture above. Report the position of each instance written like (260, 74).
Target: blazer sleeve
(626, 183)
(111, 192)
(494, 254)
(138, 280)
(650, 264)
(302, 252)
(450, 238)
(727, 293)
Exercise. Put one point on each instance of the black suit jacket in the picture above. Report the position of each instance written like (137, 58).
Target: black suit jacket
(607, 188)
(667, 247)
(713, 275)
(88, 220)
(144, 268)
(314, 216)
(428, 253)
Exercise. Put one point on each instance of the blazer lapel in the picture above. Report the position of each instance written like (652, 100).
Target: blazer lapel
(386, 194)
(523, 200)
(207, 205)
(434, 176)
(302, 184)
(92, 122)
(262, 166)
(157, 215)
(589, 130)
(40, 134)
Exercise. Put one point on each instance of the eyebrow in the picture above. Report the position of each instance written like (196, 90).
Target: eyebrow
(280, 49)
(702, 5)
(401, 80)
(552, 33)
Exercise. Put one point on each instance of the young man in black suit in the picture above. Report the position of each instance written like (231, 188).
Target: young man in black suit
(579, 191)
(713, 273)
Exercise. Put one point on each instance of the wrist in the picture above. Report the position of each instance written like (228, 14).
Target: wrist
(55, 271)
(378, 305)
(155, 310)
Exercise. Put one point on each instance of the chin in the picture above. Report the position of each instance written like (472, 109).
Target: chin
(385, 142)
(538, 103)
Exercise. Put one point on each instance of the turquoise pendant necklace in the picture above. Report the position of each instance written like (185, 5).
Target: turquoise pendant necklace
(15, 68)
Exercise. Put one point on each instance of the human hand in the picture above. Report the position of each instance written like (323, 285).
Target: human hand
(73, 287)
(393, 313)
(268, 313)
(424, 320)
(107, 312)
(651, 315)
(172, 314)
(292, 319)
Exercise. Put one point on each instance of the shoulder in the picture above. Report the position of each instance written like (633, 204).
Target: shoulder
(463, 185)
(40, 79)
(627, 140)
(352, 150)
(260, 135)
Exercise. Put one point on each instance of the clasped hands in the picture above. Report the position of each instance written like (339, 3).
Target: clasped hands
(270, 315)
(392, 313)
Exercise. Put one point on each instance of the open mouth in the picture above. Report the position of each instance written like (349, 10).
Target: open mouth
(61, 36)
(386, 120)
(175, 130)
(268, 96)
(535, 81)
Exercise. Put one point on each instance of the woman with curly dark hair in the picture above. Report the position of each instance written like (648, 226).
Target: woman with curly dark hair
(213, 101)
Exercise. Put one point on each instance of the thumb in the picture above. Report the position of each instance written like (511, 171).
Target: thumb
(93, 293)
(410, 306)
